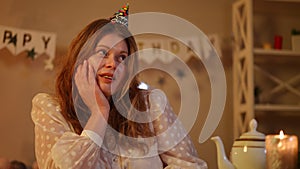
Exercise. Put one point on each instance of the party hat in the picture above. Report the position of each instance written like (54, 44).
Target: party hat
(121, 16)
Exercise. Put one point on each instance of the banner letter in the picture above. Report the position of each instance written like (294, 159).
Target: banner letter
(156, 46)
(7, 35)
(46, 41)
(140, 45)
(174, 47)
(26, 38)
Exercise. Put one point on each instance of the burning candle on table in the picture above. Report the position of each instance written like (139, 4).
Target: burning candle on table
(282, 151)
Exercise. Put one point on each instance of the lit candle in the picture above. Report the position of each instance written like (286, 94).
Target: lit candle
(282, 151)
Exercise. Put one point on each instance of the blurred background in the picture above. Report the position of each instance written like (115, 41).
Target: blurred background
(23, 77)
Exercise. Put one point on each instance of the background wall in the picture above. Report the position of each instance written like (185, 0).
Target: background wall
(22, 77)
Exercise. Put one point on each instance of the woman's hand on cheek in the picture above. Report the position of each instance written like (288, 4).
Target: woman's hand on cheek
(91, 94)
(95, 60)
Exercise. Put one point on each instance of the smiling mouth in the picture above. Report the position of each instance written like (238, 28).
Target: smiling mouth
(107, 77)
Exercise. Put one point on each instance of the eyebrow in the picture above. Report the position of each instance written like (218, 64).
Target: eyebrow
(123, 51)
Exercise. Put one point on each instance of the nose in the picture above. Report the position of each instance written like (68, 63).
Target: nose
(110, 61)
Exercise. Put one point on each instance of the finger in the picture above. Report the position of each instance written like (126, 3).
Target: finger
(81, 74)
(84, 71)
(77, 74)
(95, 60)
(91, 74)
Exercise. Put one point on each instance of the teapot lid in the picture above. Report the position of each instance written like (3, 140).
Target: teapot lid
(253, 133)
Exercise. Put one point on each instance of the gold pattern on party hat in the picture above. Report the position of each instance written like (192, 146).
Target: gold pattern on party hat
(121, 16)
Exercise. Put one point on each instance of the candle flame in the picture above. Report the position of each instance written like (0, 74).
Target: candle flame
(281, 134)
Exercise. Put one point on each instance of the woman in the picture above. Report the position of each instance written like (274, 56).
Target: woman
(99, 117)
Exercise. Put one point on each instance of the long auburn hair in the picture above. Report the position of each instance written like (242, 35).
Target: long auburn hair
(64, 84)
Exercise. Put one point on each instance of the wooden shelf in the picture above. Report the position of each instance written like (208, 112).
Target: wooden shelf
(276, 107)
(283, 0)
(274, 52)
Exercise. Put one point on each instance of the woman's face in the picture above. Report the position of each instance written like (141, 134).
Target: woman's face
(111, 51)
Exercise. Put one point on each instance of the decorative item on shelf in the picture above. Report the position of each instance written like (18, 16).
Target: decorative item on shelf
(277, 42)
(257, 92)
(248, 151)
(267, 45)
(295, 40)
(282, 151)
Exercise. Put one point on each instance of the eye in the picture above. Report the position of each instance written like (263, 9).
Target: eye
(121, 58)
(102, 52)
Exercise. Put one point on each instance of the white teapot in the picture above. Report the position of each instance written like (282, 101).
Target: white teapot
(248, 151)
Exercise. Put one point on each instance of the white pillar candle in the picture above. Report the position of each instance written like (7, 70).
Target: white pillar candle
(282, 151)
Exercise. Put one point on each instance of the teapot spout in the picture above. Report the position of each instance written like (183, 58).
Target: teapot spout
(223, 162)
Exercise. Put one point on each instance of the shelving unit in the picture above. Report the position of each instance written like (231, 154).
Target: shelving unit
(256, 22)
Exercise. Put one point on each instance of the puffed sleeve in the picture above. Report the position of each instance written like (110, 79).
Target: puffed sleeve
(56, 144)
(175, 146)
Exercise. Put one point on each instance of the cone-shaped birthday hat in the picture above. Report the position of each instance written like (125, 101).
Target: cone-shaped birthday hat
(121, 16)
